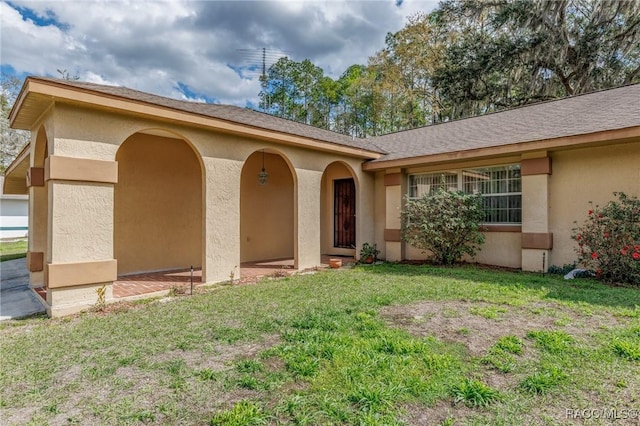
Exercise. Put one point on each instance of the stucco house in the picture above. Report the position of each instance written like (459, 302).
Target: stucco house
(121, 181)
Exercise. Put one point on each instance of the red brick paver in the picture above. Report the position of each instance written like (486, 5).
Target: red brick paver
(152, 282)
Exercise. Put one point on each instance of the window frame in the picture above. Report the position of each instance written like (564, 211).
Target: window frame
(460, 185)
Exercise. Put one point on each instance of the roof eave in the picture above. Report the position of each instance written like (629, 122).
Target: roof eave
(15, 177)
(60, 92)
(554, 144)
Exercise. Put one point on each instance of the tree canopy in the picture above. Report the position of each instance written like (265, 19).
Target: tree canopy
(467, 57)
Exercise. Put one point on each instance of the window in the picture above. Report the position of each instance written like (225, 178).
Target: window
(500, 187)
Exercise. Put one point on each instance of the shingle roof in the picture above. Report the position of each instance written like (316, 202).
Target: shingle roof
(611, 109)
(226, 112)
(588, 113)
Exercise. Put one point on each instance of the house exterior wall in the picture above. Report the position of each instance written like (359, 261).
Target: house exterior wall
(14, 222)
(583, 175)
(87, 243)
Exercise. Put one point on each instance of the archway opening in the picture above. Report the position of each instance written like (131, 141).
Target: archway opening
(338, 210)
(267, 210)
(158, 219)
(38, 242)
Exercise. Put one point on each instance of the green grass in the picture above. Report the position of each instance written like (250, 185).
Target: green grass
(10, 250)
(320, 349)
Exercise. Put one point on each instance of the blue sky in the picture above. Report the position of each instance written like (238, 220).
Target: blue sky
(197, 50)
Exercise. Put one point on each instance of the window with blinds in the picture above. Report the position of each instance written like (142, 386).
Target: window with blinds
(500, 188)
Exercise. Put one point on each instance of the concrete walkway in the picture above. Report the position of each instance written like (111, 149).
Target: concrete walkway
(16, 298)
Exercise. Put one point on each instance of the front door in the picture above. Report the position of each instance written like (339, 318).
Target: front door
(344, 213)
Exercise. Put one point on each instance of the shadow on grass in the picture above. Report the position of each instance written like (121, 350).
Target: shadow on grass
(584, 291)
(12, 256)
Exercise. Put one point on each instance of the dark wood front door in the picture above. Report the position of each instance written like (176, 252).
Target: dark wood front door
(344, 213)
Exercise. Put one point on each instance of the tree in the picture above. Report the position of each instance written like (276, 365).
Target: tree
(12, 140)
(445, 223)
(509, 53)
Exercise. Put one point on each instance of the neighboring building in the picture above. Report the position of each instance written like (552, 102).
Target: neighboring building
(122, 181)
(14, 215)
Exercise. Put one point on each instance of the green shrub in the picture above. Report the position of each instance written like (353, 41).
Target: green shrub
(447, 224)
(609, 240)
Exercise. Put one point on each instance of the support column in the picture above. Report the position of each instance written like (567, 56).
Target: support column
(537, 241)
(394, 182)
(307, 211)
(221, 199)
(79, 255)
(38, 213)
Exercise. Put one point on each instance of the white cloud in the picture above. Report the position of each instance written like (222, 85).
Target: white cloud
(155, 45)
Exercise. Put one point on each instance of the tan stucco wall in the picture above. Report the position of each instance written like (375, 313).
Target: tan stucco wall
(379, 214)
(499, 248)
(117, 219)
(158, 205)
(334, 171)
(267, 211)
(584, 175)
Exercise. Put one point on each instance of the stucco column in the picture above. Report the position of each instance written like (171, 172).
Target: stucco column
(537, 241)
(38, 216)
(394, 192)
(307, 211)
(221, 200)
(365, 211)
(80, 232)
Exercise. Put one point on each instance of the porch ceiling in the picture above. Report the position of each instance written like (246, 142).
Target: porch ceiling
(15, 178)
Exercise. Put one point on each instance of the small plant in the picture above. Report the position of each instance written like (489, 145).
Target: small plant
(101, 303)
(500, 360)
(369, 253)
(177, 290)
(207, 374)
(627, 349)
(553, 342)
(542, 382)
(511, 344)
(280, 273)
(244, 413)
(609, 240)
(490, 312)
(474, 393)
(446, 224)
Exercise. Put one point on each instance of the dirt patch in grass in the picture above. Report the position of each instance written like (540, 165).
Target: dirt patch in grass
(440, 413)
(225, 354)
(479, 325)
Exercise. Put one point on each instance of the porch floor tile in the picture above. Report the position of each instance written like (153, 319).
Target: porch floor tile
(137, 285)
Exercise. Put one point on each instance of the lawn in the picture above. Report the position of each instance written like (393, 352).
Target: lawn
(377, 345)
(12, 250)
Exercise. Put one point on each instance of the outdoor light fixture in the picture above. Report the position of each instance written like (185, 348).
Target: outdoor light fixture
(263, 175)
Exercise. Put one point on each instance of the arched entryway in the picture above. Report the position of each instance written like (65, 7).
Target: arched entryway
(338, 210)
(267, 209)
(158, 219)
(39, 253)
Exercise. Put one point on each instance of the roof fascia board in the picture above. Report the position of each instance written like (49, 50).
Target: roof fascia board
(17, 105)
(60, 92)
(555, 144)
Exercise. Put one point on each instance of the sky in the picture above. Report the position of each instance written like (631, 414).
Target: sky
(205, 51)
